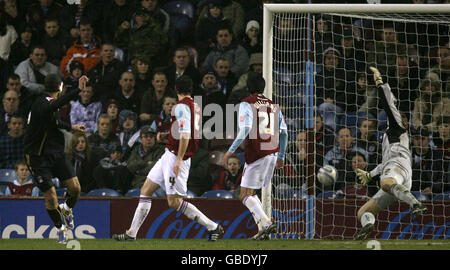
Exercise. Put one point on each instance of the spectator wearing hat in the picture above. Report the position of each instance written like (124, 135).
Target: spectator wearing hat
(427, 168)
(252, 41)
(225, 78)
(210, 91)
(112, 172)
(143, 38)
(255, 65)
(21, 48)
(330, 79)
(144, 157)
(55, 41)
(33, 71)
(85, 111)
(227, 47)
(76, 71)
(112, 109)
(129, 132)
(233, 11)
(86, 49)
(181, 65)
(206, 28)
(106, 73)
(157, 14)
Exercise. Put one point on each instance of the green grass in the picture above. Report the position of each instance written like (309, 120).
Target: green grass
(202, 244)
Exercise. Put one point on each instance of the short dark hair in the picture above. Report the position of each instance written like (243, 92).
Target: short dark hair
(13, 76)
(255, 83)
(85, 21)
(16, 116)
(37, 47)
(184, 85)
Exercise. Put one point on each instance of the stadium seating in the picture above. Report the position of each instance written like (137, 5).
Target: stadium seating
(420, 196)
(442, 196)
(181, 13)
(2, 189)
(218, 194)
(326, 195)
(215, 157)
(135, 192)
(190, 194)
(159, 193)
(103, 192)
(61, 192)
(352, 120)
(7, 175)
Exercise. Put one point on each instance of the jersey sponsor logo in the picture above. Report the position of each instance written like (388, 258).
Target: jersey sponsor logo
(242, 118)
(182, 123)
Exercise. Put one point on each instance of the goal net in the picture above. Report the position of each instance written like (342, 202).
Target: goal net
(316, 63)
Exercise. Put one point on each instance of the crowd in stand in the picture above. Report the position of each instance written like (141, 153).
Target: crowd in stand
(133, 51)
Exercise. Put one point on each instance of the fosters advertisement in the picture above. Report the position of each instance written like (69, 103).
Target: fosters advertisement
(100, 218)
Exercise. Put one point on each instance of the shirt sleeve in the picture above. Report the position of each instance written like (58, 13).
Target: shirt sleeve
(282, 121)
(245, 115)
(183, 116)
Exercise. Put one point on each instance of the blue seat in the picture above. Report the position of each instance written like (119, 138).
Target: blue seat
(330, 114)
(181, 13)
(191, 194)
(326, 195)
(218, 194)
(352, 120)
(159, 193)
(442, 196)
(3, 189)
(103, 192)
(135, 192)
(7, 175)
(61, 192)
(420, 196)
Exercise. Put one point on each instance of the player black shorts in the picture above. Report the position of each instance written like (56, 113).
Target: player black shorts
(45, 167)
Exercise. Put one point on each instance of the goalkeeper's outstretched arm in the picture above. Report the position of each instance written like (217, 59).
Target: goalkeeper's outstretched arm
(388, 103)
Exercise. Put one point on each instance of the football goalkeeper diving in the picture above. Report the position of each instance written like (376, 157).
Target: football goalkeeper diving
(394, 171)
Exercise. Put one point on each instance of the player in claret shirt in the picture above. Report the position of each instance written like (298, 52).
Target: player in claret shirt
(262, 126)
(171, 172)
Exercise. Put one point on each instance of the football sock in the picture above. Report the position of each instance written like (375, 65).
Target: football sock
(71, 200)
(259, 224)
(55, 216)
(193, 213)
(403, 194)
(142, 210)
(367, 218)
(255, 207)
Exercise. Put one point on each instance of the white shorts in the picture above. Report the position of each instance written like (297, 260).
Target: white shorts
(402, 176)
(163, 175)
(259, 173)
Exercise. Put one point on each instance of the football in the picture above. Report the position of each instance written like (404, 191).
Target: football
(327, 175)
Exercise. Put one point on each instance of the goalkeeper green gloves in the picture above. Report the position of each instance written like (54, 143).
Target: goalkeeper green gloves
(363, 176)
(377, 76)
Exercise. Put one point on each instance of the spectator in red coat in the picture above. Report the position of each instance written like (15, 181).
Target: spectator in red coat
(23, 186)
(230, 179)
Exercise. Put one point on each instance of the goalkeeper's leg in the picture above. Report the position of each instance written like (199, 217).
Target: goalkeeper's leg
(400, 192)
(366, 215)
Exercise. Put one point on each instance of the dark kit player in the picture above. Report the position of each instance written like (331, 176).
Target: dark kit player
(44, 150)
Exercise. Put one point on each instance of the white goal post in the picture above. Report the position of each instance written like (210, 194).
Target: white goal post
(307, 71)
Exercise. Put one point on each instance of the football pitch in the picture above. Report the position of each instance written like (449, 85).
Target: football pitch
(236, 244)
